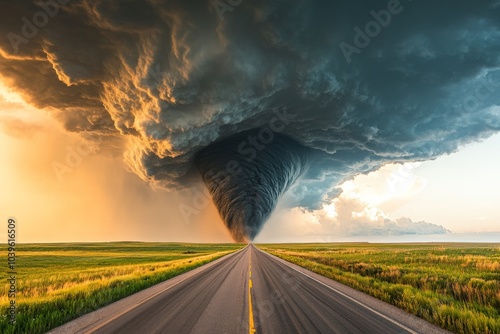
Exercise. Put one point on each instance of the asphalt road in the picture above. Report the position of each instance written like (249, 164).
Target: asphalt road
(249, 292)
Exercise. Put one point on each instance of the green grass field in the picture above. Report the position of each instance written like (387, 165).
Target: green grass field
(59, 282)
(455, 286)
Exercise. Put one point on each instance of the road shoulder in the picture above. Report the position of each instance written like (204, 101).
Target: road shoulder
(387, 310)
(114, 310)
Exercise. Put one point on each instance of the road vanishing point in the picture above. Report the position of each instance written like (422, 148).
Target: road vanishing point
(248, 291)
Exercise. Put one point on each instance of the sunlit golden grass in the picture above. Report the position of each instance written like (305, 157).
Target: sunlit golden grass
(455, 286)
(59, 282)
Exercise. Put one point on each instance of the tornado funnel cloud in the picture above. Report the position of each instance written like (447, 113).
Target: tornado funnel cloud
(247, 173)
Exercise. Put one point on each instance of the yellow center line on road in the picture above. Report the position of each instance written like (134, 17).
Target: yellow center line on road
(251, 325)
(187, 276)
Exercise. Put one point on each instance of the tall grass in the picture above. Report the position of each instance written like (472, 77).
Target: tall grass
(59, 282)
(455, 286)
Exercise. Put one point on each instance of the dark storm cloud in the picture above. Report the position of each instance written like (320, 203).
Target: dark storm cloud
(370, 82)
